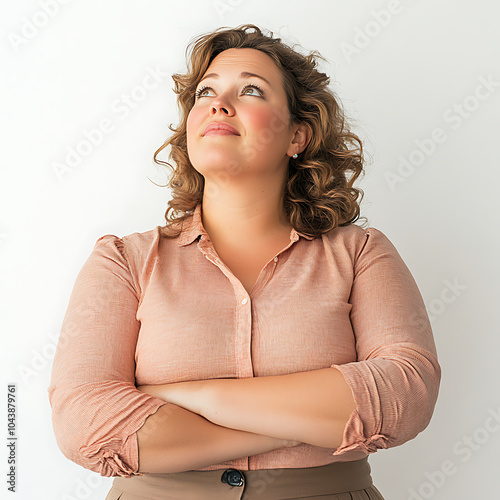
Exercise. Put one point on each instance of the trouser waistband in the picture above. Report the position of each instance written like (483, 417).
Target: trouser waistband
(338, 477)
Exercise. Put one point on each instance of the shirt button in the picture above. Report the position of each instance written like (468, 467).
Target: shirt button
(244, 301)
(233, 477)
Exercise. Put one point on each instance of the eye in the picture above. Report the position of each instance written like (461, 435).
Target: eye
(202, 90)
(254, 87)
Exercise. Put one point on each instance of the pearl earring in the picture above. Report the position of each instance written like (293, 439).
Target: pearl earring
(295, 155)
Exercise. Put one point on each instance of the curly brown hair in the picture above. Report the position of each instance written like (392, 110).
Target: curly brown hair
(318, 192)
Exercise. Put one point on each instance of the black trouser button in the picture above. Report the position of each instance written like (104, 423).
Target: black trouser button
(233, 477)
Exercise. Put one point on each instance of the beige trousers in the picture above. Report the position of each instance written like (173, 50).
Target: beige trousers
(339, 480)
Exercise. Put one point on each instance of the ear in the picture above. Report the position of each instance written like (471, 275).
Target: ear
(300, 140)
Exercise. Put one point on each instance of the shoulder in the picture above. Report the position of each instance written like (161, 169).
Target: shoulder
(137, 252)
(354, 235)
(133, 244)
(358, 241)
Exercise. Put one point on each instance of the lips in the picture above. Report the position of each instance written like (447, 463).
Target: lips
(221, 126)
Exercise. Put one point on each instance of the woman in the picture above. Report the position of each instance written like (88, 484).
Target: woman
(260, 344)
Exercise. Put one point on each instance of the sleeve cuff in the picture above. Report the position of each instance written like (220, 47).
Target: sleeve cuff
(109, 462)
(355, 440)
(119, 456)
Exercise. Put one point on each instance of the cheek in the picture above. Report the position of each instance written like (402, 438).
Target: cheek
(192, 122)
(264, 121)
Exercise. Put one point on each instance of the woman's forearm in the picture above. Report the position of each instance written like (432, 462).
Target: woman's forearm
(175, 440)
(312, 407)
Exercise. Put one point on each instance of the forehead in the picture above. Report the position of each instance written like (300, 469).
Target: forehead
(252, 60)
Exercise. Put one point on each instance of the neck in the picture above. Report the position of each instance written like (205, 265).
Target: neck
(240, 224)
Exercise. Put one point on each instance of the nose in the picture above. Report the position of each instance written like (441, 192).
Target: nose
(223, 109)
(222, 105)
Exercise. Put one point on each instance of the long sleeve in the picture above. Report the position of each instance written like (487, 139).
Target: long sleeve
(395, 380)
(96, 407)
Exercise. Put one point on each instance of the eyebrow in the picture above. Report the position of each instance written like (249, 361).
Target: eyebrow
(243, 74)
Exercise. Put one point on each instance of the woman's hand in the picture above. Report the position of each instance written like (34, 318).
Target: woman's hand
(195, 396)
(190, 395)
(153, 390)
(289, 443)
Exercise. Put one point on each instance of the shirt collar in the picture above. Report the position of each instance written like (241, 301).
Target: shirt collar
(192, 228)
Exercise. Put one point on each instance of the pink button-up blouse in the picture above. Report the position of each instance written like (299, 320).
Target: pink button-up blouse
(146, 309)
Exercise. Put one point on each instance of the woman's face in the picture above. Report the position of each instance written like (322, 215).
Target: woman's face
(256, 108)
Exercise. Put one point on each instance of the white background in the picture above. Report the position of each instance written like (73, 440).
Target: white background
(399, 80)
